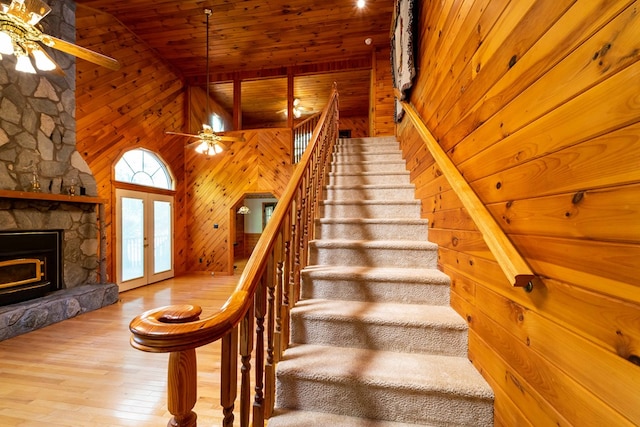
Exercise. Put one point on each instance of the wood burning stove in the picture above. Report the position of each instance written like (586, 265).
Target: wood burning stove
(30, 264)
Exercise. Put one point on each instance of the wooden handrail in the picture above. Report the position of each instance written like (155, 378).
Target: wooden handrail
(513, 265)
(266, 289)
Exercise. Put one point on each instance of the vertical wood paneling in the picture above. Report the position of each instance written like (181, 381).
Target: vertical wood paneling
(537, 104)
(381, 94)
(125, 109)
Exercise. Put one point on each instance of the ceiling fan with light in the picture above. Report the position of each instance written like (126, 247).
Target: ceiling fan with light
(298, 109)
(209, 142)
(21, 36)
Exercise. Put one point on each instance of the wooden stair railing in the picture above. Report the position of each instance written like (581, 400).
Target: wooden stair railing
(513, 265)
(267, 288)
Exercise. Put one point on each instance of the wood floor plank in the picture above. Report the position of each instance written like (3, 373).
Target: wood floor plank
(83, 372)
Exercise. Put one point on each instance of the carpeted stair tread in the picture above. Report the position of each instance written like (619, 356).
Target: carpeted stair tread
(368, 156)
(370, 202)
(386, 326)
(427, 276)
(372, 228)
(375, 244)
(398, 209)
(357, 283)
(381, 221)
(400, 163)
(382, 313)
(367, 148)
(370, 186)
(402, 387)
(379, 166)
(293, 418)
(399, 191)
(407, 371)
(386, 174)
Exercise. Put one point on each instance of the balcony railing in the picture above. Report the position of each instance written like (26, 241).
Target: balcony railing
(302, 134)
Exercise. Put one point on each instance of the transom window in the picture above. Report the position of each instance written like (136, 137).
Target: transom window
(143, 167)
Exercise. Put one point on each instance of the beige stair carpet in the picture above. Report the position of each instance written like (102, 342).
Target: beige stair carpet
(374, 341)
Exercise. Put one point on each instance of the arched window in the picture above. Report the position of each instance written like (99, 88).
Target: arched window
(140, 166)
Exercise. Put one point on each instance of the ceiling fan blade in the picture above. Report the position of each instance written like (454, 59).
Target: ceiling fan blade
(231, 138)
(81, 52)
(181, 134)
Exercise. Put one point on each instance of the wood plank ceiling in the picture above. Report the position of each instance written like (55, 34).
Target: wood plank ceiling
(257, 41)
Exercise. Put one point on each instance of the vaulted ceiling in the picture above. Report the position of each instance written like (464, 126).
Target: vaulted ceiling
(258, 39)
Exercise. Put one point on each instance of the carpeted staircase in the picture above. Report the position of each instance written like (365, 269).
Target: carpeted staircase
(374, 340)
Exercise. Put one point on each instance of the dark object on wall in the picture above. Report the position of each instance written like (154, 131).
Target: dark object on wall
(402, 52)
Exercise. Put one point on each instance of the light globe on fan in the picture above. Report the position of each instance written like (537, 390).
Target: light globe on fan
(21, 37)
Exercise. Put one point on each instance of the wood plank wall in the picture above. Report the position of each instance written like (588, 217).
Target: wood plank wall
(217, 184)
(381, 97)
(129, 108)
(359, 126)
(538, 103)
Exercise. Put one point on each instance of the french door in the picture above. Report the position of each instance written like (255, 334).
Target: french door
(144, 227)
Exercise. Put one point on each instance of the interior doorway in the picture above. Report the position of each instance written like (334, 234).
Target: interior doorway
(249, 222)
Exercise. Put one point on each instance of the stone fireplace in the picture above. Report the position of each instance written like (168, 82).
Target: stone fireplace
(45, 185)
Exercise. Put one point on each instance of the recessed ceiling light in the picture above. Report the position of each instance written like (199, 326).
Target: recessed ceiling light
(360, 3)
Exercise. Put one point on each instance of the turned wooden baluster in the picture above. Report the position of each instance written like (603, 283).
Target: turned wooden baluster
(280, 285)
(295, 294)
(305, 227)
(288, 282)
(259, 310)
(269, 369)
(229, 372)
(182, 388)
(246, 348)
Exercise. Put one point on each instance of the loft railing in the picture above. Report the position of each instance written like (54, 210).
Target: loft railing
(254, 321)
(513, 265)
(302, 133)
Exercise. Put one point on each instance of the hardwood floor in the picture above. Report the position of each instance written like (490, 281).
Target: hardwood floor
(83, 372)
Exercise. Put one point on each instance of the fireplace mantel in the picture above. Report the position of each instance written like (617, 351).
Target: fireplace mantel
(10, 194)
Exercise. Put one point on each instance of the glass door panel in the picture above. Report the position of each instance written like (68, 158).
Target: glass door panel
(162, 236)
(132, 238)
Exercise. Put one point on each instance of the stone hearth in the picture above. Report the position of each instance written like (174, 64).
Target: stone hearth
(17, 319)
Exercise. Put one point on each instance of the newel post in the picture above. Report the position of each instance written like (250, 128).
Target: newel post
(182, 384)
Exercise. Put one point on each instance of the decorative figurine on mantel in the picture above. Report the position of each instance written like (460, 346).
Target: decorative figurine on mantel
(72, 188)
(35, 183)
